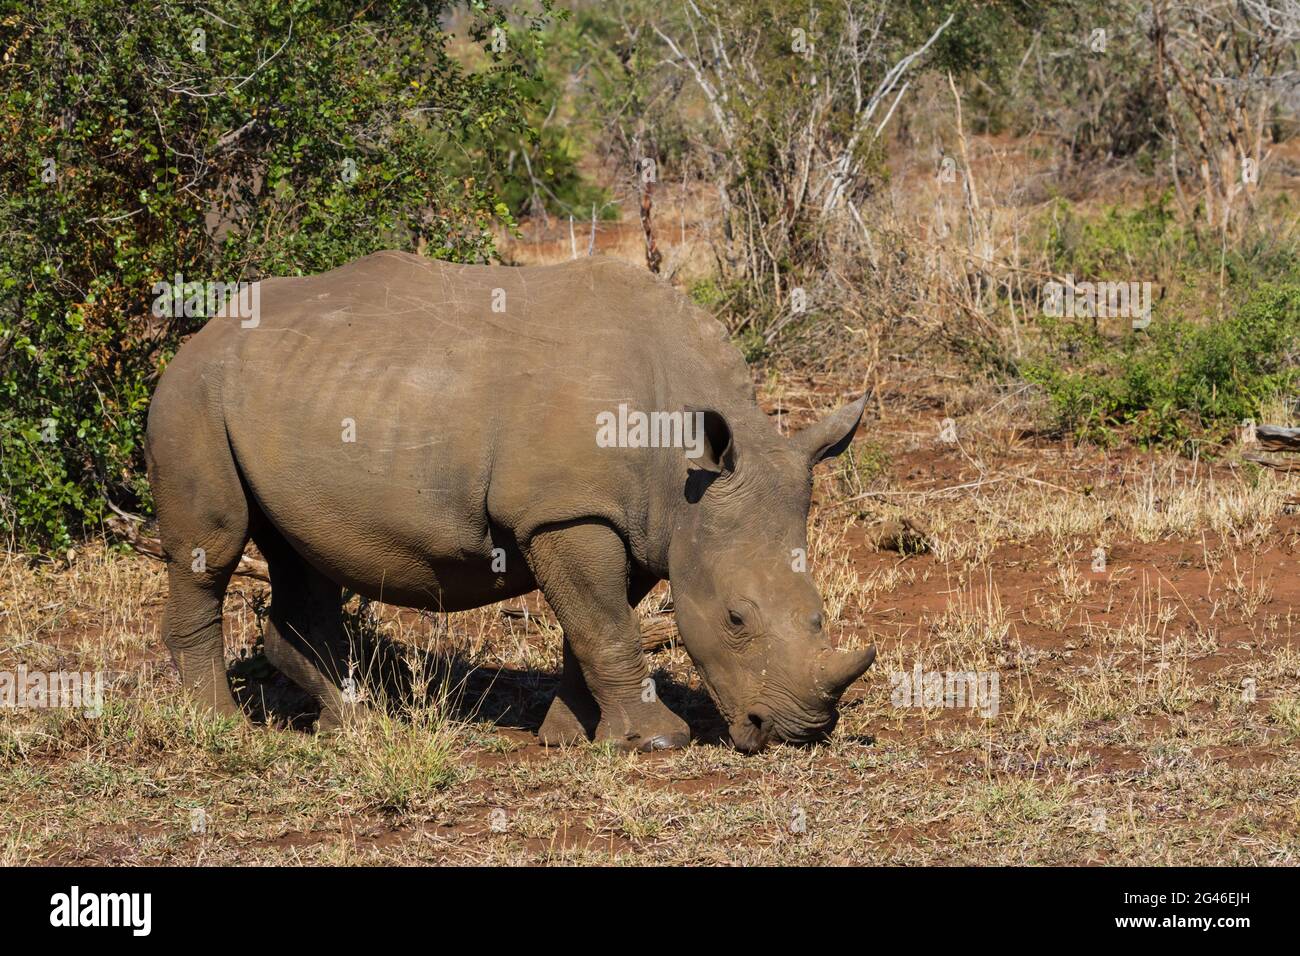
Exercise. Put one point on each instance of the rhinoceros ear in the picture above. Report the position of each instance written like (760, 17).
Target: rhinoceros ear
(709, 446)
(830, 436)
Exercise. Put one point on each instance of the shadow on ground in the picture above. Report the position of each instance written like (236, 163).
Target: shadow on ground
(503, 696)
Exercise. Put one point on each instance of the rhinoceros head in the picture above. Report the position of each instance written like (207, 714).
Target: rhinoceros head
(747, 609)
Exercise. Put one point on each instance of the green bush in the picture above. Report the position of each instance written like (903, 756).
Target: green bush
(540, 173)
(1119, 240)
(223, 141)
(1179, 380)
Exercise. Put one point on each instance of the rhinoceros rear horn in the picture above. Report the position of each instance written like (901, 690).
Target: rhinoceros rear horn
(841, 668)
(830, 436)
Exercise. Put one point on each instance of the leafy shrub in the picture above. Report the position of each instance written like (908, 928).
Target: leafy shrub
(1119, 240)
(1182, 380)
(540, 172)
(223, 141)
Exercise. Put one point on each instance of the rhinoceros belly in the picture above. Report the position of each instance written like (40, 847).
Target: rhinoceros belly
(360, 457)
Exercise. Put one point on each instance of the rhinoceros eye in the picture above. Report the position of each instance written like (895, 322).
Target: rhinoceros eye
(735, 618)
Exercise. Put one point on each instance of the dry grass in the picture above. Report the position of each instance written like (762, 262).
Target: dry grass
(1149, 711)
(1125, 731)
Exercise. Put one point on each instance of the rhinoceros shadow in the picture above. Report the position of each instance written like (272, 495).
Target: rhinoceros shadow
(518, 699)
(399, 678)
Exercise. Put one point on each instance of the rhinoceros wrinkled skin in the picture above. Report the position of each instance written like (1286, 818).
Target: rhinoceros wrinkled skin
(426, 434)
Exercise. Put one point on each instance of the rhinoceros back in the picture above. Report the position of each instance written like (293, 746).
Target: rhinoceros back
(418, 417)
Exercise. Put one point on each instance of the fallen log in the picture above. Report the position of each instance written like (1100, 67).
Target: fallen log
(128, 527)
(1277, 438)
(658, 633)
(1286, 467)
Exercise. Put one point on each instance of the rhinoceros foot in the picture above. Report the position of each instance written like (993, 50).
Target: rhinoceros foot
(568, 723)
(650, 727)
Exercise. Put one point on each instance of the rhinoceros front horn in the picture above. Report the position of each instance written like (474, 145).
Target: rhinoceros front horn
(839, 669)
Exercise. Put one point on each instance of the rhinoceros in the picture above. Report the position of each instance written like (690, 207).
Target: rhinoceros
(445, 436)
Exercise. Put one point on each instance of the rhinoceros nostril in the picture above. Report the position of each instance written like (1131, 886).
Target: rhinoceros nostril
(752, 732)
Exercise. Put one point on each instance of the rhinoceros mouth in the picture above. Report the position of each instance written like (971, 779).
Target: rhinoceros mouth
(806, 736)
(751, 733)
(762, 726)
(761, 723)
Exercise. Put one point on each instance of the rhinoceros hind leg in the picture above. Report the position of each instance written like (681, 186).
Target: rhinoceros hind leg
(582, 567)
(305, 639)
(192, 633)
(203, 525)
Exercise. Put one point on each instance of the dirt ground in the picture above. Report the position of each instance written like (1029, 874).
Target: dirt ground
(1137, 610)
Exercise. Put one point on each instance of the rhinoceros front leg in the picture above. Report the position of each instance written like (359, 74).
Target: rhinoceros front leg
(573, 714)
(582, 568)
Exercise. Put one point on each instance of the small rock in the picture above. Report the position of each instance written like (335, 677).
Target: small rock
(904, 536)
